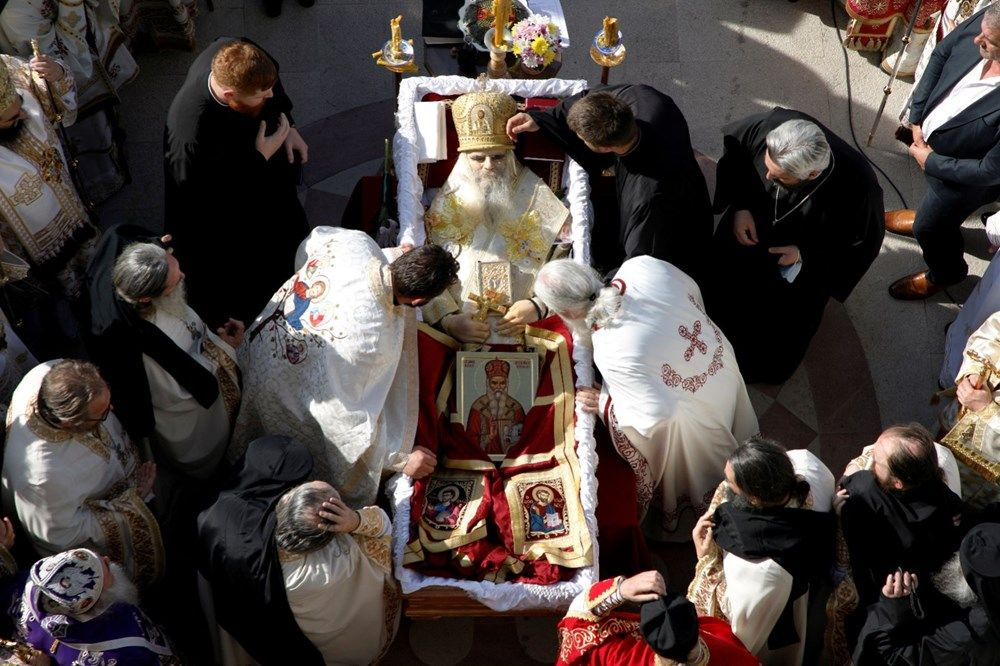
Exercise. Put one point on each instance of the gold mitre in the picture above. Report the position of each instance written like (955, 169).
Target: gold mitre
(8, 95)
(481, 121)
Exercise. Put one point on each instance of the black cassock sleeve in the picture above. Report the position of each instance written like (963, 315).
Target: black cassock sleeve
(552, 122)
(892, 636)
(737, 182)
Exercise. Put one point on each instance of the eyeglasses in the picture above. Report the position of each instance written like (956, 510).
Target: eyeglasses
(104, 416)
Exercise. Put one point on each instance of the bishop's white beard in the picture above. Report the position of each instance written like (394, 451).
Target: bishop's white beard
(950, 581)
(582, 333)
(174, 303)
(484, 194)
(122, 591)
(496, 401)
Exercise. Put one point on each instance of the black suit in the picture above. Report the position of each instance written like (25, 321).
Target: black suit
(963, 172)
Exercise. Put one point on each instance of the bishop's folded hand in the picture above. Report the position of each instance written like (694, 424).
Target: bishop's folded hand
(899, 584)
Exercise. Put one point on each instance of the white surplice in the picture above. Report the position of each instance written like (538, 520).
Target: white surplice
(343, 596)
(982, 302)
(40, 210)
(331, 361)
(673, 397)
(62, 30)
(15, 361)
(192, 437)
(77, 490)
(752, 594)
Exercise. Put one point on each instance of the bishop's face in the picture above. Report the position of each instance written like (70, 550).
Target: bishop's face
(489, 167)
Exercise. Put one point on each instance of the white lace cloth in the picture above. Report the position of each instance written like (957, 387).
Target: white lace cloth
(499, 597)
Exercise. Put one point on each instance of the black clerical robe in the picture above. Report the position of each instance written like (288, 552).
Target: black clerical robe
(836, 221)
(663, 205)
(235, 217)
(914, 530)
(240, 559)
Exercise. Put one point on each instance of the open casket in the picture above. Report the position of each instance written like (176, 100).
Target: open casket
(572, 180)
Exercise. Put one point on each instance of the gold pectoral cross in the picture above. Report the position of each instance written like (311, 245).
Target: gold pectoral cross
(491, 301)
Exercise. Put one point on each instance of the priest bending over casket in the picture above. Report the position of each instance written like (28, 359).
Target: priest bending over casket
(332, 360)
(499, 218)
(673, 398)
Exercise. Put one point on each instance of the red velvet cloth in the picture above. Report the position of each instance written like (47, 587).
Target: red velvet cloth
(456, 449)
(617, 641)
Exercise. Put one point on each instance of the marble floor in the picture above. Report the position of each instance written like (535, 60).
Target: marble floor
(873, 363)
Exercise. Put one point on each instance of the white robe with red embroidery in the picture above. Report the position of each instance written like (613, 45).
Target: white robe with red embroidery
(673, 396)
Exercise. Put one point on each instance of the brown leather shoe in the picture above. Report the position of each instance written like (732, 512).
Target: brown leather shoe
(900, 221)
(914, 287)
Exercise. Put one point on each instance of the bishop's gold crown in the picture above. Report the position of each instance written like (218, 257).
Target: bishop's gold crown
(481, 121)
(8, 95)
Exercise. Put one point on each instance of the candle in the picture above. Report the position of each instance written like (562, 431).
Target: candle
(396, 38)
(501, 12)
(610, 36)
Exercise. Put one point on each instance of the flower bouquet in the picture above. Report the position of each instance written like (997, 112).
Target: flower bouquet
(536, 41)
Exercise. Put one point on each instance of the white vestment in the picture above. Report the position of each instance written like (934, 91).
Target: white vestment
(40, 210)
(343, 596)
(62, 29)
(753, 593)
(72, 490)
(332, 362)
(191, 436)
(673, 397)
(525, 241)
(982, 302)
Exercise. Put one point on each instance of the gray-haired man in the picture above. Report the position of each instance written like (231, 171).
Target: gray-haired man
(802, 221)
(190, 431)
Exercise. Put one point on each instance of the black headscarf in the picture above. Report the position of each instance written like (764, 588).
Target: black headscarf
(117, 337)
(980, 558)
(240, 559)
(670, 626)
(801, 541)
(912, 529)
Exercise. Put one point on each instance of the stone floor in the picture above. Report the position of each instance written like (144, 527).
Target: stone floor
(873, 363)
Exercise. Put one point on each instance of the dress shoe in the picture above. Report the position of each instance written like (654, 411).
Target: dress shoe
(913, 287)
(900, 221)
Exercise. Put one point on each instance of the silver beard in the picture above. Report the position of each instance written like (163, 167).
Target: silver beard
(175, 303)
(950, 581)
(122, 591)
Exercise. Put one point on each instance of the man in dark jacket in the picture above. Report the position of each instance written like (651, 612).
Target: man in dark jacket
(955, 118)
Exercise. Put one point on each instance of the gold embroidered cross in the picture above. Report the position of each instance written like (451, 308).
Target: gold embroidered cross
(490, 301)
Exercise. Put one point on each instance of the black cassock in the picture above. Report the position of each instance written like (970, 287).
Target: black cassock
(240, 559)
(235, 217)
(663, 205)
(836, 221)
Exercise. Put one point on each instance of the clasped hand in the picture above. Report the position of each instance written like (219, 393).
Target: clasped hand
(971, 397)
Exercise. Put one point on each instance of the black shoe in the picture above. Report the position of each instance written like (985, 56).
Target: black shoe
(307, 3)
(272, 8)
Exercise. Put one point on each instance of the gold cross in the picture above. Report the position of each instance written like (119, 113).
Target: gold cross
(987, 366)
(490, 301)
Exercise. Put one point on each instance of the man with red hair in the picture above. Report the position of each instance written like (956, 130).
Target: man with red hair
(233, 159)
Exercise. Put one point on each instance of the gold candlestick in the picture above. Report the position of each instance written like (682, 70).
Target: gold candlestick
(396, 55)
(497, 68)
(608, 50)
